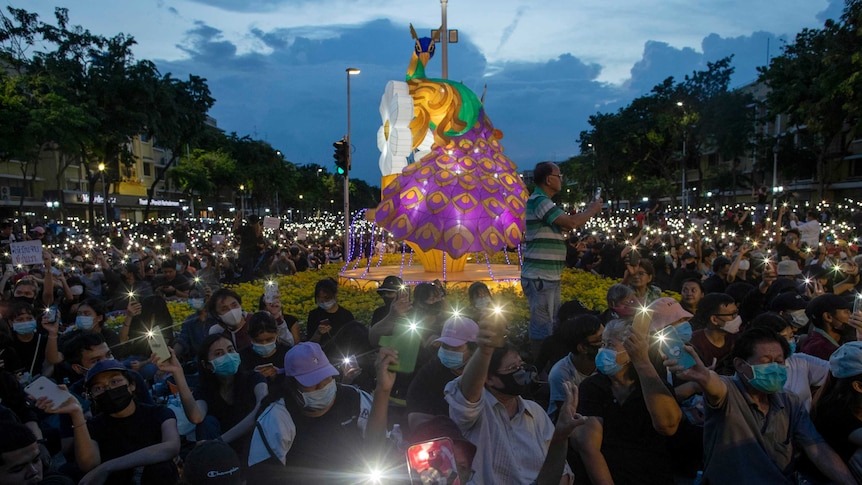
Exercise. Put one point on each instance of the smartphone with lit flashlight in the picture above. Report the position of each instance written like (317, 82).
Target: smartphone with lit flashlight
(598, 194)
(433, 462)
(673, 347)
(158, 344)
(857, 303)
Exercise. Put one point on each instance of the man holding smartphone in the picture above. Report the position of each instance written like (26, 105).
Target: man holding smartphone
(545, 252)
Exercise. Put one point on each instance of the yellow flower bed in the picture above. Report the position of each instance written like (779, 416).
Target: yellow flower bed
(297, 294)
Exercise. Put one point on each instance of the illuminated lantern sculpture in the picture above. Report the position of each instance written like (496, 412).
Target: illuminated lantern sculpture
(462, 195)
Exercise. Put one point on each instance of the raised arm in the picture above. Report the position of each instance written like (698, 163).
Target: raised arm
(573, 221)
(660, 402)
(713, 388)
(195, 411)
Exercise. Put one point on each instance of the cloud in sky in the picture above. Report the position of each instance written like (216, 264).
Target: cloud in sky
(277, 67)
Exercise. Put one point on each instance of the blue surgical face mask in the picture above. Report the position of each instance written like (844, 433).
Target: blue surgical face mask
(24, 328)
(684, 331)
(196, 303)
(263, 349)
(326, 305)
(606, 362)
(226, 365)
(179, 267)
(319, 399)
(792, 344)
(769, 378)
(450, 358)
(84, 322)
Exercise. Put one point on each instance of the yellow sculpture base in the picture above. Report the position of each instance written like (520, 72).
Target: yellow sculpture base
(432, 260)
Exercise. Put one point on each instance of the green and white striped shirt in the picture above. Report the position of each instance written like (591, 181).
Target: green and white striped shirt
(545, 252)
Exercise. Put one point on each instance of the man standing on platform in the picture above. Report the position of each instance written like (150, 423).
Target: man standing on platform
(545, 253)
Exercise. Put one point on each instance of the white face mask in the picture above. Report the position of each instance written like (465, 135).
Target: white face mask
(744, 265)
(203, 264)
(77, 290)
(483, 302)
(319, 399)
(232, 318)
(733, 325)
(327, 305)
(799, 318)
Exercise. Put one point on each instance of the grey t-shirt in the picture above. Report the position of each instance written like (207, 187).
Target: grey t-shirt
(742, 445)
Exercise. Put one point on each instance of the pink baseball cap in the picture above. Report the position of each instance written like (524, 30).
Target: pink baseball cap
(666, 311)
(307, 363)
(459, 330)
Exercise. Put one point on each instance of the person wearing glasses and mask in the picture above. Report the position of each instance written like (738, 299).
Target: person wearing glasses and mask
(718, 321)
(545, 250)
(123, 434)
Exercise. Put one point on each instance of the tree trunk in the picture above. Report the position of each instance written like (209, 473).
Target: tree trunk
(160, 175)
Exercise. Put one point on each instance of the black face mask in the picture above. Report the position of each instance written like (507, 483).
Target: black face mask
(691, 266)
(113, 400)
(24, 299)
(516, 383)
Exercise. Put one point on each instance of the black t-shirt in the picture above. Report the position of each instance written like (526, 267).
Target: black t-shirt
(835, 425)
(337, 321)
(634, 451)
(323, 446)
(244, 400)
(27, 350)
(425, 394)
(251, 359)
(120, 436)
(714, 284)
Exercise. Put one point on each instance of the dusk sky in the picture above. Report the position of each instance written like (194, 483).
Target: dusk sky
(277, 67)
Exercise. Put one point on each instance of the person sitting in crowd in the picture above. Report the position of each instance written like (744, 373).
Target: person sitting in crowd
(288, 325)
(719, 322)
(692, 292)
(124, 434)
(425, 393)
(90, 318)
(631, 411)
(171, 283)
(804, 372)
(829, 315)
(753, 428)
(327, 320)
(516, 441)
(480, 300)
(582, 335)
(225, 403)
(639, 278)
(267, 351)
(28, 342)
(315, 429)
(554, 349)
(193, 330)
(142, 317)
(224, 309)
(622, 303)
(837, 410)
(387, 290)
(21, 462)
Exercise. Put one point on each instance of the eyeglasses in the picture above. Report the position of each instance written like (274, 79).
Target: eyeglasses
(112, 384)
(512, 368)
(734, 314)
(558, 175)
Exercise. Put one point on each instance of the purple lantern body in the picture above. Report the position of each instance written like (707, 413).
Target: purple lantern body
(461, 198)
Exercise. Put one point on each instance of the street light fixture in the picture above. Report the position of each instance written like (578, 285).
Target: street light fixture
(104, 191)
(351, 71)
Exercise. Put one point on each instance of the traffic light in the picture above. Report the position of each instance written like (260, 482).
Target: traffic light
(341, 156)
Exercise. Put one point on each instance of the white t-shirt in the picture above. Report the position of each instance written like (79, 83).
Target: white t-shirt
(804, 372)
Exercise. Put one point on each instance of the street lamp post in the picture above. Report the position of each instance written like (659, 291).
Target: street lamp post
(683, 198)
(350, 72)
(104, 191)
(242, 200)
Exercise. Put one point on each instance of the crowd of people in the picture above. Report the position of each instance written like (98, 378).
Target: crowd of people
(753, 374)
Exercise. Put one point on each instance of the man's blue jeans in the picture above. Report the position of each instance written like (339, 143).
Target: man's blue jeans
(544, 299)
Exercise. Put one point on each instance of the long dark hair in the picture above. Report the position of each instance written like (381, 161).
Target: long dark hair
(836, 393)
(208, 379)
